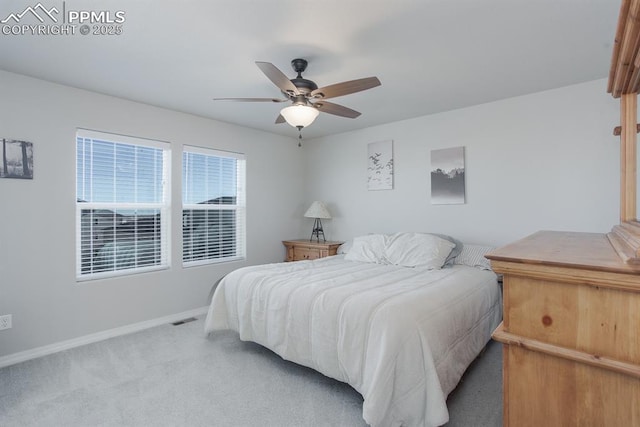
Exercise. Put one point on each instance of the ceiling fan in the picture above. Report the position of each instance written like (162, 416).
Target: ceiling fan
(307, 99)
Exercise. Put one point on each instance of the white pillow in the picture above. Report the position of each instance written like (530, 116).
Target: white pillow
(369, 248)
(345, 247)
(417, 250)
(473, 256)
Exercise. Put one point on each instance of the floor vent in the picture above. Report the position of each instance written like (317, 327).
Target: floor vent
(183, 321)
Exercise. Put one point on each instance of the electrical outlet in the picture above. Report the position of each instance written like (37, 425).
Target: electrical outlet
(5, 322)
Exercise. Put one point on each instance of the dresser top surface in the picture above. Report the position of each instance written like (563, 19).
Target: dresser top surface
(588, 251)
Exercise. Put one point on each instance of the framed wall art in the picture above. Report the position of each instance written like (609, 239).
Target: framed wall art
(17, 159)
(380, 166)
(447, 176)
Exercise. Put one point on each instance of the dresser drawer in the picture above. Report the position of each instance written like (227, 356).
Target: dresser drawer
(553, 391)
(595, 320)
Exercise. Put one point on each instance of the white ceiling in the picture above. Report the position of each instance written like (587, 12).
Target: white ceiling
(430, 55)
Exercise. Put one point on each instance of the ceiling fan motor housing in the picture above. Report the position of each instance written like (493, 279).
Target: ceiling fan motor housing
(304, 86)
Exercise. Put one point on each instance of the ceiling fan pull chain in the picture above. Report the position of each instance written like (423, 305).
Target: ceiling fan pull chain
(299, 136)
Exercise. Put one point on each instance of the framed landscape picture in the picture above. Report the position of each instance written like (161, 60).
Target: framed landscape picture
(447, 176)
(17, 159)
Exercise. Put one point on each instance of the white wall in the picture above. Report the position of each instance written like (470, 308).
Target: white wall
(541, 161)
(37, 217)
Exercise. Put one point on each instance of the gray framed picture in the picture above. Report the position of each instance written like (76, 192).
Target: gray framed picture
(447, 176)
(17, 159)
(380, 166)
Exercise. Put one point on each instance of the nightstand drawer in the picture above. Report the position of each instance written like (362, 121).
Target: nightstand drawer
(302, 252)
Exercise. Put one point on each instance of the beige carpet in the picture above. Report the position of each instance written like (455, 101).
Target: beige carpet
(175, 376)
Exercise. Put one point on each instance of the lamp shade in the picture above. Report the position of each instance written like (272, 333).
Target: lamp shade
(299, 115)
(317, 210)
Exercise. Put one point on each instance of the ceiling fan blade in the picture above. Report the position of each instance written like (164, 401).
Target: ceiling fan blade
(280, 119)
(335, 109)
(250, 99)
(345, 88)
(277, 77)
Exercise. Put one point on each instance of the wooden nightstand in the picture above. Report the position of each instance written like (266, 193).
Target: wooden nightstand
(298, 250)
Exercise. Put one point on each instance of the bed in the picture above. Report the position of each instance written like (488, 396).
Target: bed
(400, 334)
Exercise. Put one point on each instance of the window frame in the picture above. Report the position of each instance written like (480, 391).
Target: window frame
(240, 207)
(164, 206)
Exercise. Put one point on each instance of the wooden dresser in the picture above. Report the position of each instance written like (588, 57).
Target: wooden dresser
(298, 250)
(571, 332)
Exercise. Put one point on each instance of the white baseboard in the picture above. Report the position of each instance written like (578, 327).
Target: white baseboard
(22, 356)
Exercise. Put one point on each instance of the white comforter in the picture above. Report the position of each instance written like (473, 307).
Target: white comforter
(402, 337)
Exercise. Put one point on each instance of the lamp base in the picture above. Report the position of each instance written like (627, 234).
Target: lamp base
(317, 231)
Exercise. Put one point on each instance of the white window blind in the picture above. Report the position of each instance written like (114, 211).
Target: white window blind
(213, 206)
(122, 204)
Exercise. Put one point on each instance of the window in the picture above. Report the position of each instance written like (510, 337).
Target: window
(213, 206)
(122, 204)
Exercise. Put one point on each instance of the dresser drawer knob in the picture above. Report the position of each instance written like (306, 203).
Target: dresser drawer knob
(547, 320)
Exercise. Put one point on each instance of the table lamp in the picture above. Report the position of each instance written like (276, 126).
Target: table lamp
(319, 211)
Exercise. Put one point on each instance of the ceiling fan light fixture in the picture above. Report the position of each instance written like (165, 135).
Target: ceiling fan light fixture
(299, 116)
